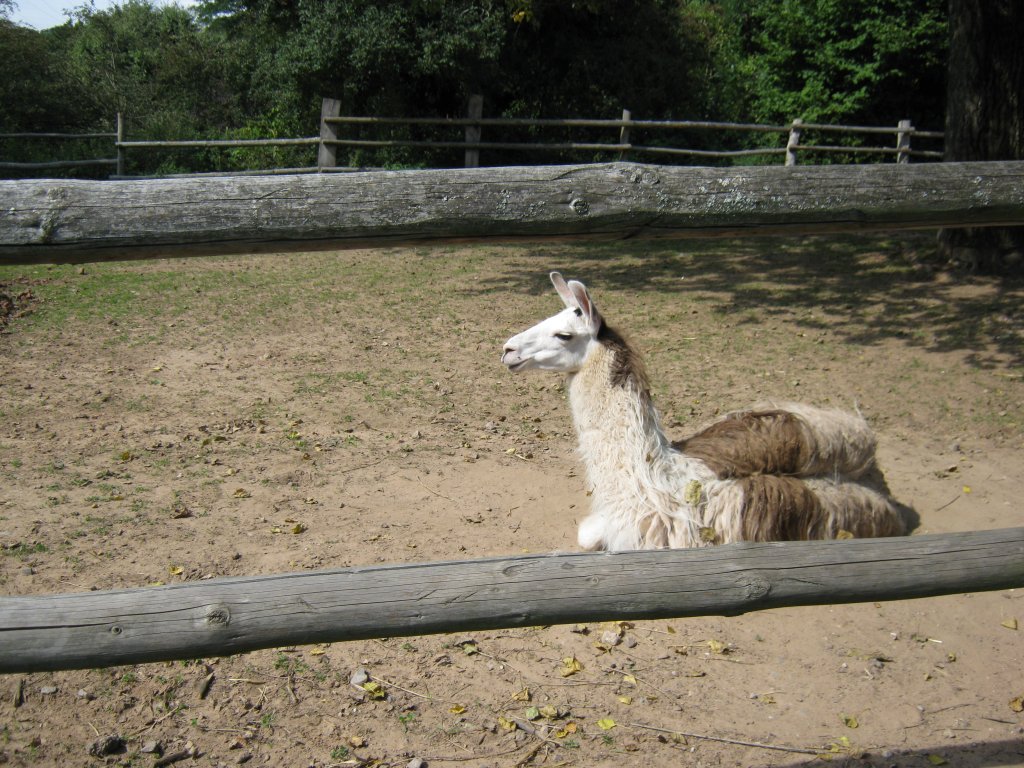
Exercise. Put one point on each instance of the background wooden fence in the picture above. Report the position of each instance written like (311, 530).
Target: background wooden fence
(117, 163)
(616, 139)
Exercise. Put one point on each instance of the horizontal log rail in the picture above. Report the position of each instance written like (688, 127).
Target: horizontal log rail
(575, 146)
(218, 143)
(236, 615)
(75, 221)
(55, 164)
(572, 122)
(68, 136)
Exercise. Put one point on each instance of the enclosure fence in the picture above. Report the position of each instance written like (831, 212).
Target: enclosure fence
(116, 163)
(60, 221)
(617, 139)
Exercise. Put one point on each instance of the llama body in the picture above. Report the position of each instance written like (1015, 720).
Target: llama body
(776, 472)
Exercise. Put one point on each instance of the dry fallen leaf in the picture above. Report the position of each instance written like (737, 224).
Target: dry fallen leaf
(850, 721)
(456, 709)
(506, 724)
(1009, 623)
(692, 493)
(241, 493)
(176, 570)
(605, 723)
(376, 690)
(629, 679)
(841, 744)
(717, 646)
(625, 699)
(570, 666)
(523, 695)
(567, 729)
(1017, 704)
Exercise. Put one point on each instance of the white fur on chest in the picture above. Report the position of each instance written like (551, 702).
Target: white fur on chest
(637, 480)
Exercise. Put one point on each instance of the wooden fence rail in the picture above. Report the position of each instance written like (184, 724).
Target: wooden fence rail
(68, 220)
(51, 165)
(626, 129)
(235, 615)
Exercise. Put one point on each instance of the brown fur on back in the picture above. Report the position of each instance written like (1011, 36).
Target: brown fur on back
(791, 509)
(756, 442)
(781, 509)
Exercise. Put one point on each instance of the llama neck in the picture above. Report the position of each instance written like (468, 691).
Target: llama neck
(616, 421)
(637, 478)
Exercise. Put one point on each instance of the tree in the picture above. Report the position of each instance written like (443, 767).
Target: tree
(855, 61)
(985, 117)
(528, 58)
(29, 88)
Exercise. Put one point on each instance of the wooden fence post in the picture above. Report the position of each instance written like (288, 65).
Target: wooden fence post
(327, 156)
(793, 142)
(120, 149)
(474, 132)
(903, 131)
(624, 134)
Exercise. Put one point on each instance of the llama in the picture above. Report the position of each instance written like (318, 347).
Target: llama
(773, 472)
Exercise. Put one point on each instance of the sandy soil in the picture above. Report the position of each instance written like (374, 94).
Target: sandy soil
(175, 420)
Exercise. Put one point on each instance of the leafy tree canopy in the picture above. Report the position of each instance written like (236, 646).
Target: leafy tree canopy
(261, 67)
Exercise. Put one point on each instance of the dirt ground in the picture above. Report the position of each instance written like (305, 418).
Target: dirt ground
(175, 420)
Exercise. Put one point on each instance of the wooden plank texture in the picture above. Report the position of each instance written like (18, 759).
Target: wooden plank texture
(227, 616)
(71, 221)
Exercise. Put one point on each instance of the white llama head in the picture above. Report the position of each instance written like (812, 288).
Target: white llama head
(562, 342)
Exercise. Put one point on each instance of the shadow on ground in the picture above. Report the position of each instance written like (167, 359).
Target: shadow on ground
(867, 289)
(974, 755)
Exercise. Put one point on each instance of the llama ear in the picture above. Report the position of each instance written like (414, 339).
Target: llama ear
(582, 300)
(563, 290)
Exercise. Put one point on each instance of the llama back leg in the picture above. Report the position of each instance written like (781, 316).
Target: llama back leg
(860, 509)
(773, 508)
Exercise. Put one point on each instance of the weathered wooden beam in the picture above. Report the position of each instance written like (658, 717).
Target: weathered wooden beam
(67, 221)
(234, 615)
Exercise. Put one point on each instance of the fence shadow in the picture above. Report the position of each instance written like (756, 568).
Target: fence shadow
(988, 754)
(866, 289)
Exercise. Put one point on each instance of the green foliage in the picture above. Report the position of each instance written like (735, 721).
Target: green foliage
(869, 62)
(259, 69)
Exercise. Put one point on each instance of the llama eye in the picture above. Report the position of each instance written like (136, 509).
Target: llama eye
(563, 336)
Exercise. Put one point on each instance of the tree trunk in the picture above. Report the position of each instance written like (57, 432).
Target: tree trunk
(985, 117)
